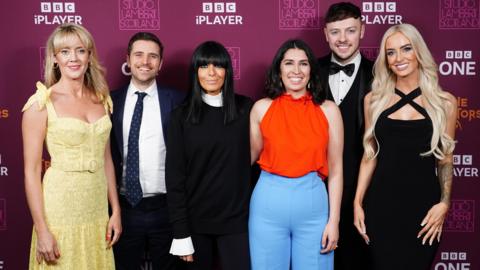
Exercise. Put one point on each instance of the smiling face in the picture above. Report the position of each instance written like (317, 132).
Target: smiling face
(145, 62)
(401, 57)
(295, 71)
(72, 58)
(211, 78)
(343, 38)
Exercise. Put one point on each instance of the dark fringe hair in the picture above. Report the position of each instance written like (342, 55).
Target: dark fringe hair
(210, 52)
(273, 84)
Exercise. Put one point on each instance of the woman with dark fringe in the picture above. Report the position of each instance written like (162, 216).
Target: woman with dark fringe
(208, 166)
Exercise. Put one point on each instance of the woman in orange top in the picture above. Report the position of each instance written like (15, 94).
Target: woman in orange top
(299, 138)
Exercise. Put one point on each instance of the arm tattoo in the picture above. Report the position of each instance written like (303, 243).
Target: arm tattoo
(445, 174)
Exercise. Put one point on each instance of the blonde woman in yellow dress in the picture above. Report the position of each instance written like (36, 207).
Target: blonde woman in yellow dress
(72, 229)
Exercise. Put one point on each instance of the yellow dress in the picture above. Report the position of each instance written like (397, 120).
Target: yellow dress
(75, 189)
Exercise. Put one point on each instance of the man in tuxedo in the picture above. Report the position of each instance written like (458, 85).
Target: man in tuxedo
(346, 76)
(140, 117)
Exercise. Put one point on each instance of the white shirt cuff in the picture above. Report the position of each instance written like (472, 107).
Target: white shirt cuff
(182, 247)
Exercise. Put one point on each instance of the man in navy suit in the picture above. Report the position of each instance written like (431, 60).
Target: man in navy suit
(140, 118)
(346, 76)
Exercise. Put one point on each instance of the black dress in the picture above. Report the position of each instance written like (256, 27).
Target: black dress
(404, 187)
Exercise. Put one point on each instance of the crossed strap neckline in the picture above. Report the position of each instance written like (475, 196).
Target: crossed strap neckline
(407, 99)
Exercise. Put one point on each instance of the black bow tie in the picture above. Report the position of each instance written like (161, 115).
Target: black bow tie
(335, 68)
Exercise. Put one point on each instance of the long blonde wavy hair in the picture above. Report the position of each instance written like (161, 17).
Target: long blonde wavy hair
(434, 98)
(94, 78)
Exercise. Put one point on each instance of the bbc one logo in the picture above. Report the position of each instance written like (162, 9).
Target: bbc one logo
(380, 13)
(235, 56)
(458, 63)
(299, 14)
(461, 216)
(459, 14)
(139, 15)
(466, 114)
(57, 13)
(3, 215)
(464, 166)
(219, 13)
(453, 261)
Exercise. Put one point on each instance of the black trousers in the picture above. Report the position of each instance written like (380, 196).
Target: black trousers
(232, 249)
(352, 252)
(145, 227)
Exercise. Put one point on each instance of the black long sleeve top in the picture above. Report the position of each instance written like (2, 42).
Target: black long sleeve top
(208, 171)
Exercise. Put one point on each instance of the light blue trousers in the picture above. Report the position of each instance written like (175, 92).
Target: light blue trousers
(287, 219)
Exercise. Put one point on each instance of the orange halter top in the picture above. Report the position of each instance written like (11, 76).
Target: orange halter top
(295, 137)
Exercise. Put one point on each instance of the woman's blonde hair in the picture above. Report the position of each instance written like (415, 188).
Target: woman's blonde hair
(94, 78)
(434, 98)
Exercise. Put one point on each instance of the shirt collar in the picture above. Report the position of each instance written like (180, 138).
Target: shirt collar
(150, 91)
(214, 101)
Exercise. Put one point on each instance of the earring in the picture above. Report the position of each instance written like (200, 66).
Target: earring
(308, 85)
(281, 84)
(55, 65)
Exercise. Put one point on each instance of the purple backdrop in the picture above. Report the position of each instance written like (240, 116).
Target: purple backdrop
(252, 30)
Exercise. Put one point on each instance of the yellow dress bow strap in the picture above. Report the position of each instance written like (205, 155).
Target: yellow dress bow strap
(41, 96)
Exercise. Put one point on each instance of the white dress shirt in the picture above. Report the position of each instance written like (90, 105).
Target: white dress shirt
(184, 246)
(151, 143)
(340, 83)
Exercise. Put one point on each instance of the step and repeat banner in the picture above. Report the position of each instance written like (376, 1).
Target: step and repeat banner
(252, 31)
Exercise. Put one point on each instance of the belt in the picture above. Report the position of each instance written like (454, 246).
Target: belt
(147, 203)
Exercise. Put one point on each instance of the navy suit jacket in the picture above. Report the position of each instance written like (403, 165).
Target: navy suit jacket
(168, 98)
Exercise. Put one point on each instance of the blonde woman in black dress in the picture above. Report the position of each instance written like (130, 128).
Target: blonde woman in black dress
(410, 127)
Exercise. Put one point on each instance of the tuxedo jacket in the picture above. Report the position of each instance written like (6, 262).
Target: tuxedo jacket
(353, 120)
(168, 100)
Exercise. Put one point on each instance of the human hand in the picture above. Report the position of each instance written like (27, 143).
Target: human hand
(187, 258)
(433, 222)
(359, 222)
(330, 237)
(47, 248)
(114, 226)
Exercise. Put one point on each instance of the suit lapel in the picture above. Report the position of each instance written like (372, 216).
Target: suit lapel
(363, 87)
(119, 108)
(165, 108)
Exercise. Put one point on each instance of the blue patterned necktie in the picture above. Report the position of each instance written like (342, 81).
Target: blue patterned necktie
(132, 178)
